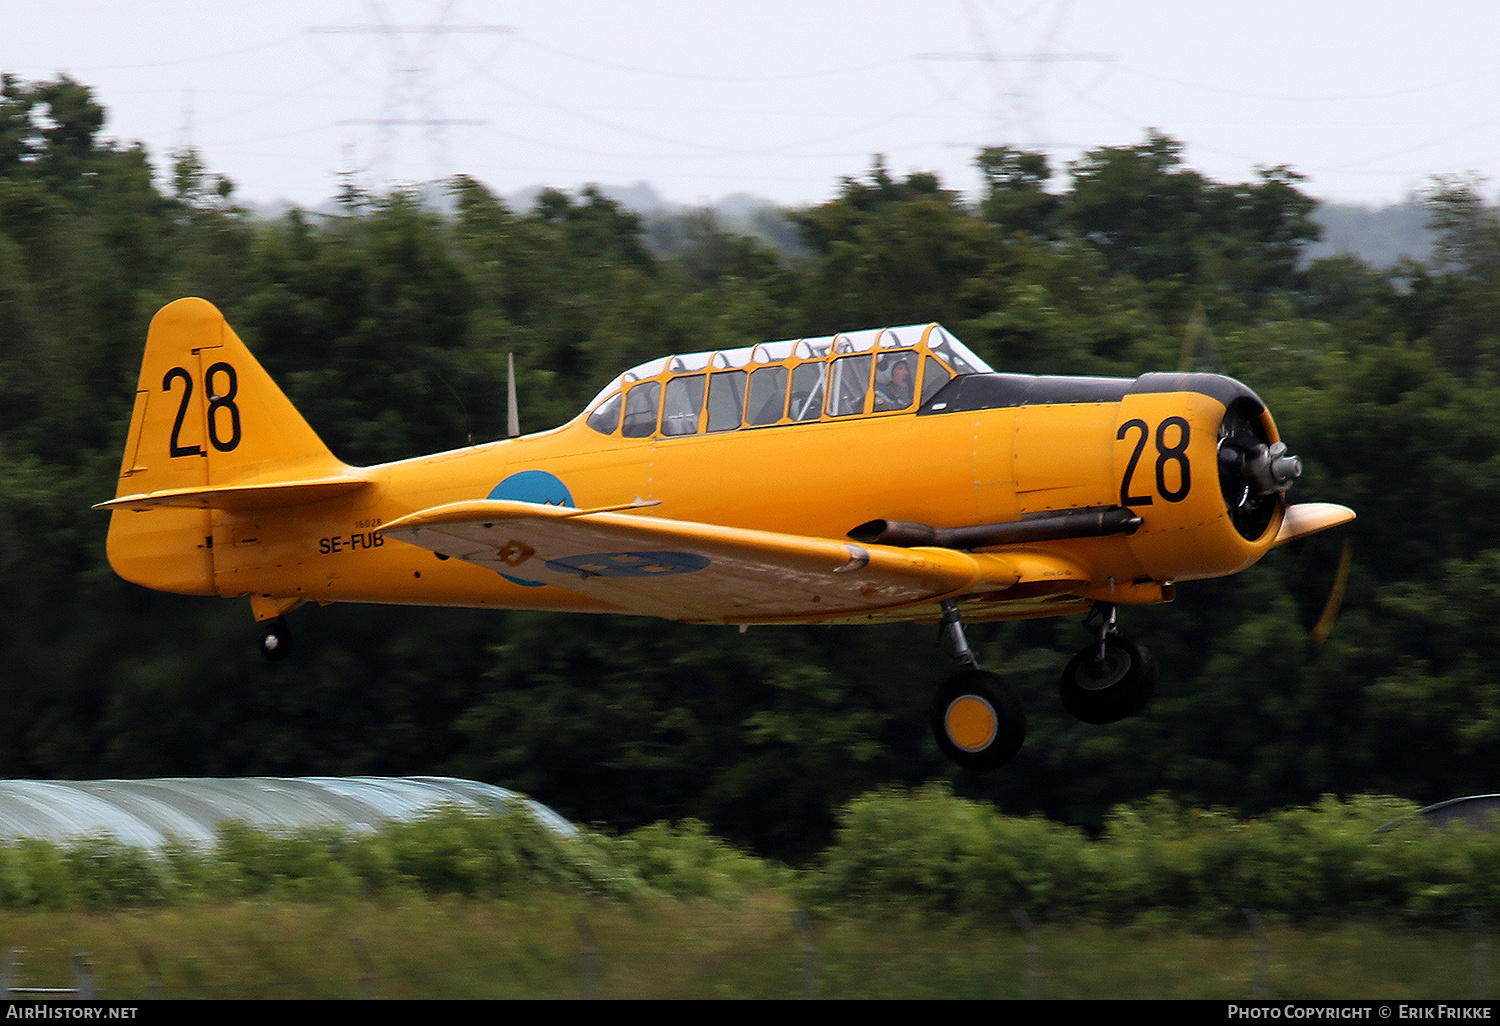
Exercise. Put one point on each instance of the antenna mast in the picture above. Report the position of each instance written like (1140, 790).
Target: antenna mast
(512, 409)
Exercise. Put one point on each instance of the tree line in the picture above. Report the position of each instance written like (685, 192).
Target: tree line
(388, 320)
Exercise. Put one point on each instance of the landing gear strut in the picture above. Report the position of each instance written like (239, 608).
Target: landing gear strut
(1112, 678)
(951, 636)
(977, 719)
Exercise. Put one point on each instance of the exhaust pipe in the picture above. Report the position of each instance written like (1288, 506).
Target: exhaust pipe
(1073, 523)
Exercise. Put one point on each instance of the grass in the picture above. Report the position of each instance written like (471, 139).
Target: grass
(670, 948)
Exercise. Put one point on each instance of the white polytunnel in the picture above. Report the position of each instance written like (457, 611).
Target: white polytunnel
(148, 813)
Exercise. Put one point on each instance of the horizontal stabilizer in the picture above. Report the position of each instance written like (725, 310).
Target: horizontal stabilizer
(1307, 518)
(683, 570)
(270, 495)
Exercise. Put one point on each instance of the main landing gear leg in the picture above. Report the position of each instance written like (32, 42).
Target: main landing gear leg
(951, 635)
(977, 719)
(1112, 677)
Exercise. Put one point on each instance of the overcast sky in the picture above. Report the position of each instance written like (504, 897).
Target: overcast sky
(777, 97)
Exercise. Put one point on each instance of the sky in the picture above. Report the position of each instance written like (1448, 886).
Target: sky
(776, 98)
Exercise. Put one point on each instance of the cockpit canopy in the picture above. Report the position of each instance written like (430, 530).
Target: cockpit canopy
(876, 371)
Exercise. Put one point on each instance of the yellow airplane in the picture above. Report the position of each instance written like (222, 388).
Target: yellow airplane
(865, 477)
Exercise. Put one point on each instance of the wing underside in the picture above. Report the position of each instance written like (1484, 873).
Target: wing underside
(700, 572)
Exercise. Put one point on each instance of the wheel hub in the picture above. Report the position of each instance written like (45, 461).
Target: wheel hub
(971, 722)
(1103, 672)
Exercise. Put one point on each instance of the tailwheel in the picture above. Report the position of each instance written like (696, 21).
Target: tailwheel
(275, 639)
(1108, 681)
(977, 720)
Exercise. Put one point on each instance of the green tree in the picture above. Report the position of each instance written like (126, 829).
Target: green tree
(383, 290)
(1463, 286)
(1016, 197)
(1156, 219)
(894, 250)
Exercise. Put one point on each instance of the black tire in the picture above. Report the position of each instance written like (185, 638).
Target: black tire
(977, 720)
(275, 640)
(1107, 691)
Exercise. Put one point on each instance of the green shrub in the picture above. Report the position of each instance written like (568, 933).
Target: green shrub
(107, 874)
(1155, 862)
(452, 851)
(686, 861)
(947, 854)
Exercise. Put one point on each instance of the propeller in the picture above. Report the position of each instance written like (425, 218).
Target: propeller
(1198, 349)
(1254, 471)
(1324, 627)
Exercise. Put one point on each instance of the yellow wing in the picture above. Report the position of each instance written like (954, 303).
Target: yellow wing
(693, 571)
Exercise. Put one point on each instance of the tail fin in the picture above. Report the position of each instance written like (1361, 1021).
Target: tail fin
(210, 430)
(207, 413)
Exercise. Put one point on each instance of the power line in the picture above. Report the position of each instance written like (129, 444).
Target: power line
(1017, 78)
(411, 97)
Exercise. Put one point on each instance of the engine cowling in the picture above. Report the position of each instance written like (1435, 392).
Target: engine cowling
(1198, 458)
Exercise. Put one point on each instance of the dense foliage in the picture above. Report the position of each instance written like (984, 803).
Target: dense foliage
(446, 852)
(388, 322)
(1156, 861)
(895, 852)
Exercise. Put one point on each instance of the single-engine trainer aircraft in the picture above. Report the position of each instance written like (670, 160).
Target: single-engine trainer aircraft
(864, 477)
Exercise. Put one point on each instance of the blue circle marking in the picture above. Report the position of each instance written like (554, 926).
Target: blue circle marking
(532, 486)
